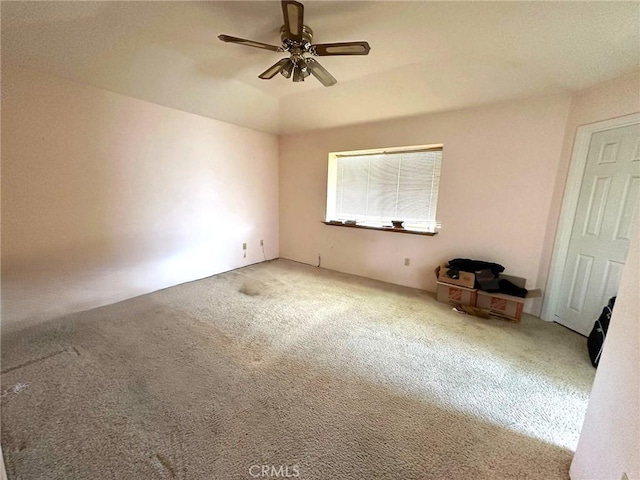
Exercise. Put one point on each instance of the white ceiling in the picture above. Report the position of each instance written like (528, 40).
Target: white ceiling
(425, 56)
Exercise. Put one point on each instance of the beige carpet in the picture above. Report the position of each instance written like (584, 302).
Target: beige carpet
(315, 374)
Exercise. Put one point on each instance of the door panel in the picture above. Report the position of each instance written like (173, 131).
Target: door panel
(630, 198)
(580, 282)
(596, 205)
(613, 272)
(599, 241)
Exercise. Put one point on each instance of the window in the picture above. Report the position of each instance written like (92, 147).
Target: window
(375, 187)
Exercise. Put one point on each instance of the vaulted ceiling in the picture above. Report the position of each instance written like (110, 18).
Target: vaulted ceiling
(425, 56)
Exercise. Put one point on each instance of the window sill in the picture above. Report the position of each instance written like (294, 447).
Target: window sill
(382, 229)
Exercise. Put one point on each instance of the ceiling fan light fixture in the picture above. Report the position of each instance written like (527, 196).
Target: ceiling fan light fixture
(287, 70)
(304, 67)
(297, 74)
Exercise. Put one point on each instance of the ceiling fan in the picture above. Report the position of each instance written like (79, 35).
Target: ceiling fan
(296, 39)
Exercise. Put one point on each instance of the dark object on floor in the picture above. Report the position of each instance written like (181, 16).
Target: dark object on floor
(467, 265)
(595, 342)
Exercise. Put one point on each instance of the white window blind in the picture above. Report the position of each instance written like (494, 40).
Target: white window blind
(376, 188)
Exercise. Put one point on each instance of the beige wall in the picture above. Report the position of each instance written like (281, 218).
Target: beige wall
(610, 438)
(105, 197)
(498, 171)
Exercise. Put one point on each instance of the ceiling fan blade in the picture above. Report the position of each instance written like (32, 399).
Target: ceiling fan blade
(249, 43)
(293, 19)
(273, 70)
(345, 48)
(320, 73)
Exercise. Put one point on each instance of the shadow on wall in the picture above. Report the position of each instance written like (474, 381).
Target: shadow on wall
(90, 275)
(105, 197)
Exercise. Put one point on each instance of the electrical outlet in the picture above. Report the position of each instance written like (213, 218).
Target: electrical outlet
(244, 246)
(262, 243)
(407, 262)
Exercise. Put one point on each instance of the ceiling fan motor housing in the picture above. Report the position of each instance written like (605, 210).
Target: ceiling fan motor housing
(307, 36)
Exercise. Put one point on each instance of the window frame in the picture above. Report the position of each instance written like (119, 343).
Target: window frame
(332, 188)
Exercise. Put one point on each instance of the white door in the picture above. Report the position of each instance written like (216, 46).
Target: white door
(608, 197)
